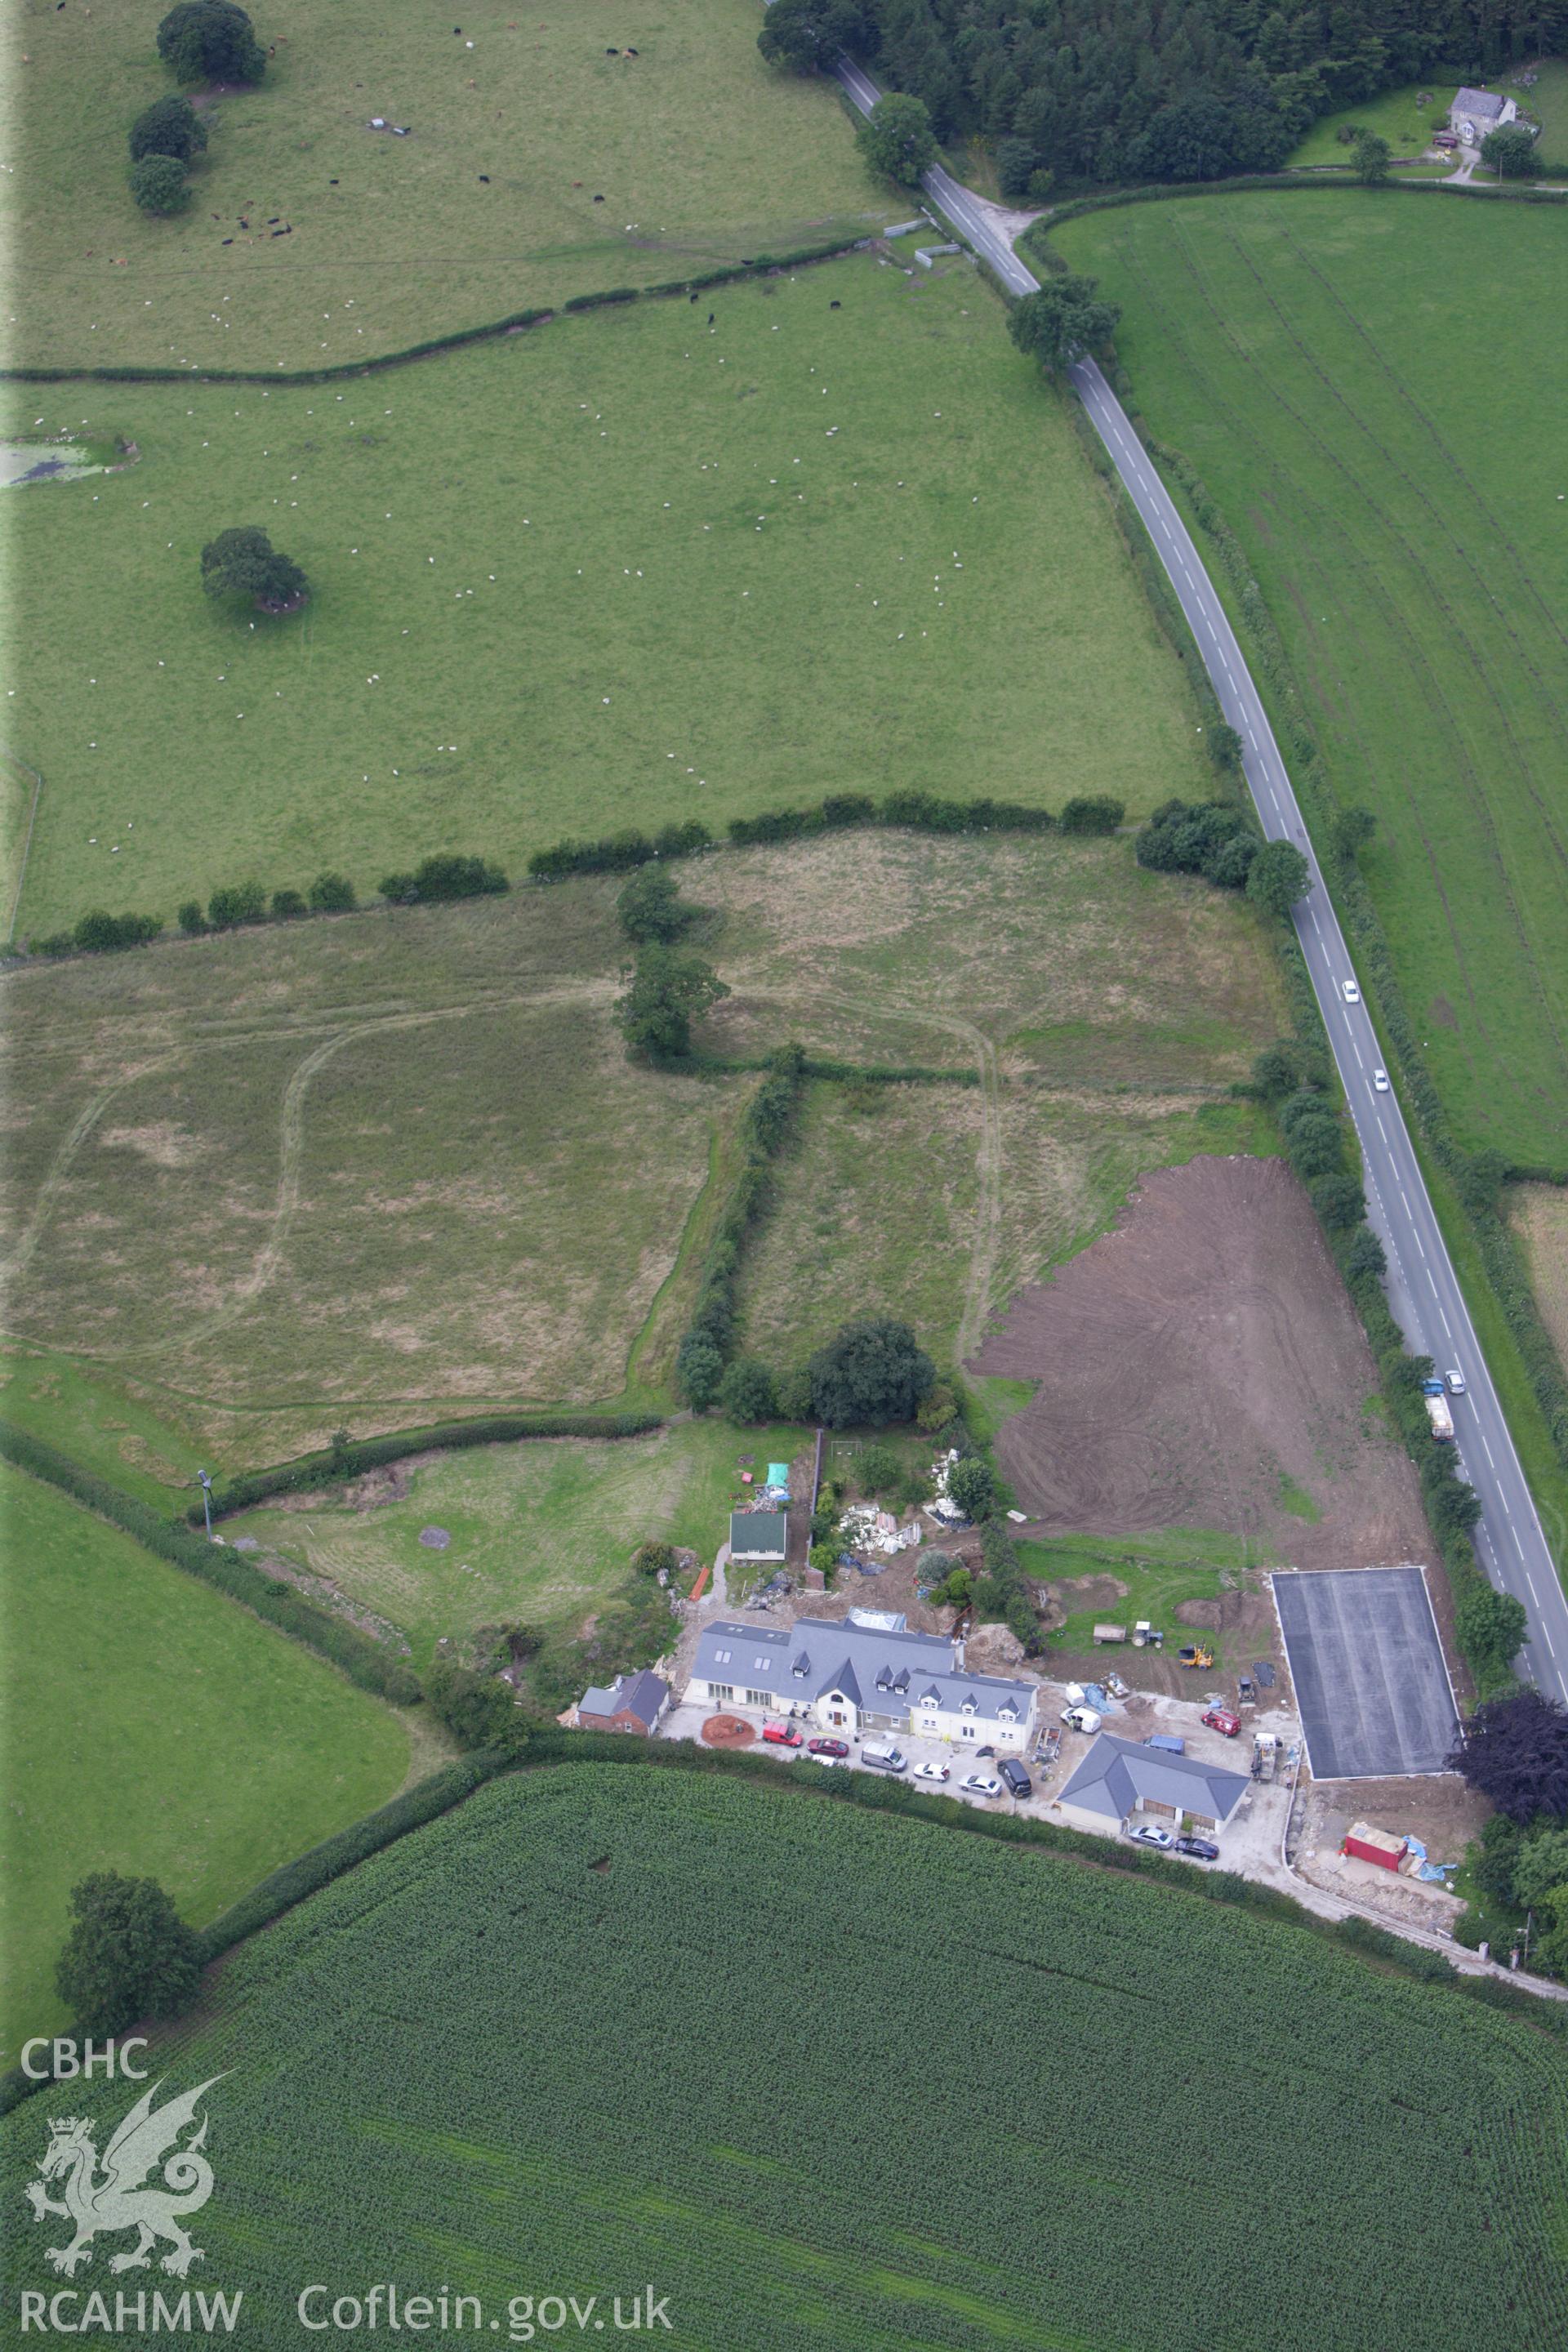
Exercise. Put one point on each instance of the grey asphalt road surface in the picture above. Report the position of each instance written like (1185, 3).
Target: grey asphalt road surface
(1371, 1685)
(1423, 1288)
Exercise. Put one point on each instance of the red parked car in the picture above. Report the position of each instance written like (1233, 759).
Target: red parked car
(827, 1748)
(783, 1735)
(1218, 1718)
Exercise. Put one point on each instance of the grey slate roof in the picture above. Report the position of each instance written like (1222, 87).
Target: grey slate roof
(754, 1531)
(879, 1670)
(642, 1694)
(1475, 106)
(1119, 1775)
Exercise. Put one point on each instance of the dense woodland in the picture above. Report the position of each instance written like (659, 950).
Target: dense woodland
(1099, 92)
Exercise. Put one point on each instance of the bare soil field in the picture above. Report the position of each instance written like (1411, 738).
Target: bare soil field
(1201, 1365)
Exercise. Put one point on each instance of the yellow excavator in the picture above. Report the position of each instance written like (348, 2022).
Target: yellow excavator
(1192, 1653)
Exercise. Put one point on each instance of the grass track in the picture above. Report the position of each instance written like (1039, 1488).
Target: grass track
(152, 1727)
(1397, 486)
(615, 570)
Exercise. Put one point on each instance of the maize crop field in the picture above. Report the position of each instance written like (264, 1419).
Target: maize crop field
(827, 2077)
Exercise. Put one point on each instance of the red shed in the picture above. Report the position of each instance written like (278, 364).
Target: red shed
(1368, 1845)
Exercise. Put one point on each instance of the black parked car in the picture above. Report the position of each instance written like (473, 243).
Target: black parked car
(1018, 1782)
(1201, 1849)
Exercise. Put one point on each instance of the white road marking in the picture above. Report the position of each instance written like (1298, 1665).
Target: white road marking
(1486, 1450)
(1530, 1582)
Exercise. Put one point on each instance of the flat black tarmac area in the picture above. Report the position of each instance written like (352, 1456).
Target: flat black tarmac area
(1368, 1669)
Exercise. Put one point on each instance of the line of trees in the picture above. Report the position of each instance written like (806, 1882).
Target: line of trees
(200, 40)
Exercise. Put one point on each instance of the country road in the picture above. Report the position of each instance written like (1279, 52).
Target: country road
(1423, 1288)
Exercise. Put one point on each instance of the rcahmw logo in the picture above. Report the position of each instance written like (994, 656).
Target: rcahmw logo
(102, 2197)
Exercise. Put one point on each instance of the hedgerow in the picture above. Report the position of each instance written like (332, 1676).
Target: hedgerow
(354, 1455)
(365, 1662)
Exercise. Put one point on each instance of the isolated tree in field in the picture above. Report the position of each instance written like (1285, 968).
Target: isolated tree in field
(244, 563)
(1514, 1751)
(897, 138)
(129, 1954)
(972, 1487)
(170, 126)
(1369, 159)
(1277, 877)
(158, 184)
(210, 40)
(1066, 317)
(872, 1372)
(1510, 152)
(668, 991)
(810, 35)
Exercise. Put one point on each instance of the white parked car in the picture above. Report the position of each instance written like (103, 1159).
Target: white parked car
(1456, 1381)
(981, 1784)
(1150, 1833)
(1349, 991)
(1380, 1081)
(932, 1772)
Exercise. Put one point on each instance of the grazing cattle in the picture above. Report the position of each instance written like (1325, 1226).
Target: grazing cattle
(486, 178)
(835, 306)
(711, 316)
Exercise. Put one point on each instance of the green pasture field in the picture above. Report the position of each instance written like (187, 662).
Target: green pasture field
(542, 1531)
(362, 1171)
(384, 1169)
(937, 1203)
(151, 1727)
(703, 155)
(616, 571)
(1393, 114)
(1547, 99)
(470, 2066)
(1399, 488)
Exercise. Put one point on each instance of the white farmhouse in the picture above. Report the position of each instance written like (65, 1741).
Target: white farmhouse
(863, 1674)
(1475, 112)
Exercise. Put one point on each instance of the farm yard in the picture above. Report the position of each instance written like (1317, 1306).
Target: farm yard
(526, 1948)
(151, 1726)
(620, 570)
(1398, 489)
(1200, 1366)
(488, 207)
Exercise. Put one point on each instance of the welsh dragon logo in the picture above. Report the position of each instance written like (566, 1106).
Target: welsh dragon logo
(101, 2200)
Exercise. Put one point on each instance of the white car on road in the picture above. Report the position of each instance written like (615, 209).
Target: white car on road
(1150, 1833)
(1456, 1381)
(1380, 1081)
(981, 1784)
(932, 1772)
(1349, 991)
